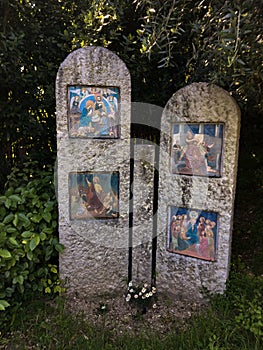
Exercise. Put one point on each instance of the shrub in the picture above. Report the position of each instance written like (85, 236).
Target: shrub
(28, 235)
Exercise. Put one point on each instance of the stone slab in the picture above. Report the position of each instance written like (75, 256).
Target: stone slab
(95, 258)
(197, 179)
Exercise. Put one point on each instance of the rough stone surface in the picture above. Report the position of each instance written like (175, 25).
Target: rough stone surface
(185, 276)
(95, 258)
(142, 213)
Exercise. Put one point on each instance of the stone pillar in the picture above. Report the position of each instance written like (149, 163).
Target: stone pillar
(197, 179)
(93, 170)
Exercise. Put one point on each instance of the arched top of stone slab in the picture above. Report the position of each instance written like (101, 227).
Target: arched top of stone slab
(93, 65)
(93, 68)
(201, 102)
(207, 106)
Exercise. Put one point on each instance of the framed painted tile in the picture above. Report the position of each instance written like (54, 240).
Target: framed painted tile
(93, 112)
(94, 195)
(197, 149)
(192, 232)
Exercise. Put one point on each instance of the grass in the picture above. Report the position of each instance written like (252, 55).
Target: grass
(229, 323)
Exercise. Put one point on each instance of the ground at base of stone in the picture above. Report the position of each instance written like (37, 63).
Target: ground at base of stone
(120, 317)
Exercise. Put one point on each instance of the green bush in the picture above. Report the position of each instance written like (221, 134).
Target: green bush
(28, 235)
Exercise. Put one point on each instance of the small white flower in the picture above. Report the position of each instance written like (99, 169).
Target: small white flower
(131, 290)
(150, 294)
(135, 296)
(143, 297)
(140, 293)
(147, 295)
(130, 284)
(143, 290)
(154, 306)
(128, 298)
(145, 285)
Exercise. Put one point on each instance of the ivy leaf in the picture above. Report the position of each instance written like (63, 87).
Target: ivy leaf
(29, 255)
(8, 219)
(36, 218)
(15, 198)
(59, 248)
(2, 213)
(18, 279)
(47, 216)
(13, 241)
(5, 254)
(15, 221)
(34, 242)
(2, 238)
(2, 199)
(42, 236)
(27, 234)
(3, 304)
(24, 219)
(48, 230)
(11, 229)
(47, 290)
(8, 203)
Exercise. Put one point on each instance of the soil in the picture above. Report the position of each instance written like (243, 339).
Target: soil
(122, 317)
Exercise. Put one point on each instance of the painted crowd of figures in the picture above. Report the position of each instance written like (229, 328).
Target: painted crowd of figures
(192, 235)
(94, 112)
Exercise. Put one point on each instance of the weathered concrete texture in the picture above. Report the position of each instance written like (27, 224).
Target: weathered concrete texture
(181, 275)
(95, 258)
(142, 213)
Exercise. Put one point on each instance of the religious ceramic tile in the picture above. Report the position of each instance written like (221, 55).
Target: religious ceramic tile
(93, 111)
(197, 149)
(192, 232)
(94, 195)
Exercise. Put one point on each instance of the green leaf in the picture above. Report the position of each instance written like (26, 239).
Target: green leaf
(2, 199)
(47, 290)
(24, 219)
(15, 198)
(18, 279)
(42, 236)
(36, 218)
(2, 212)
(48, 230)
(11, 229)
(59, 248)
(29, 255)
(47, 216)
(5, 254)
(13, 241)
(2, 238)
(34, 242)
(27, 234)
(15, 221)
(54, 269)
(8, 203)
(3, 304)
(8, 219)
